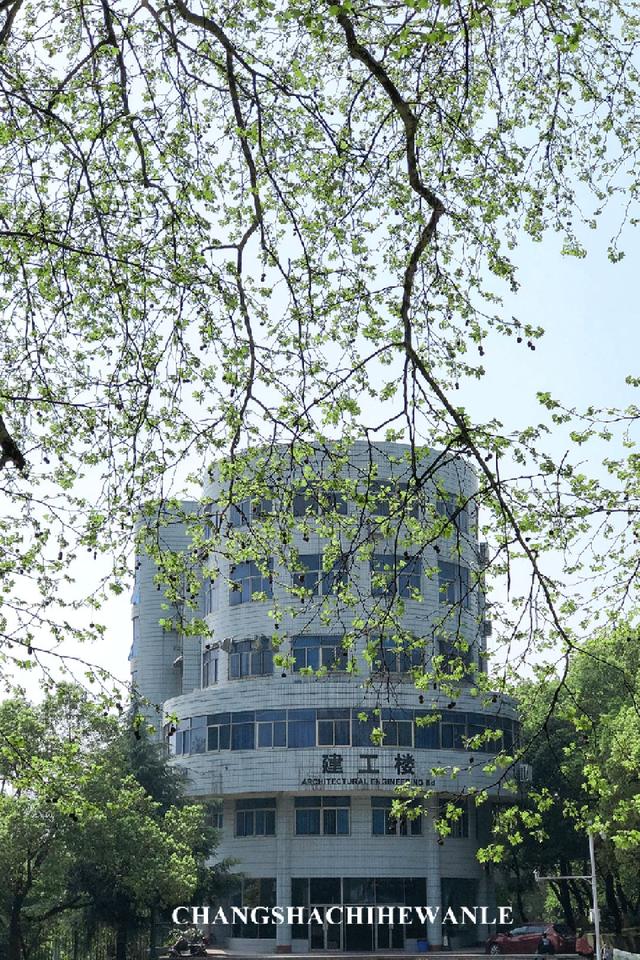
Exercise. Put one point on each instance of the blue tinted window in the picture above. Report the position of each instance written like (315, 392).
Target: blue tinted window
(242, 736)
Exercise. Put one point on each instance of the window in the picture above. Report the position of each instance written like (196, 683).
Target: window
(255, 893)
(388, 498)
(246, 579)
(218, 731)
(271, 728)
(453, 583)
(183, 737)
(337, 727)
(394, 575)
(209, 667)
(135, 642)
(243, 730)
(244, 511)
(198, 734)
(301, 728)
(396, 654)
(310, 577)
(397, 726)
(384, 824)
(256, 818)
(211, 593)
(328, 816)
(312, 501)
(334, 727)
(250, 658)
(318, 651)
(315, 580)
(460, 825)
(427, 733)
(453, 731)
(455, 651)
(455, 510)
(214, 817)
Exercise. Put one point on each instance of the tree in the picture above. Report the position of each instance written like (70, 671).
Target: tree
(586, 774)
(228, 227)
(80, 831)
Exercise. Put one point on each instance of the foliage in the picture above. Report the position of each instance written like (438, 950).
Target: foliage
(80, 830)
(272, 225)
(586, 774)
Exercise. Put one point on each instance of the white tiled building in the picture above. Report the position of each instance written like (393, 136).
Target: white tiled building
(305, 793)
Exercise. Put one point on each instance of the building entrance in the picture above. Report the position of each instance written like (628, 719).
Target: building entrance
(324, 935)
(389, 937)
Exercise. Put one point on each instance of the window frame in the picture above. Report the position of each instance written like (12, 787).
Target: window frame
(260, 813)
(454, 587)
(403, 826)
(328, 809)
(247, 660)
(246, 579)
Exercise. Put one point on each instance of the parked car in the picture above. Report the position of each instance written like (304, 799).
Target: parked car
(525, 940)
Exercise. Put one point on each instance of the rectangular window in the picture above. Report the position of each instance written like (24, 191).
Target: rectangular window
(209, 668)
(242, 513)
(314, 652)
(453, 584)
(455, 510)
(387, 498)
(247, 580)
(310, 576)
(250, 658)
(312, 502)
(453, 730)
(334, 727)
(218, 731)
(392, 575)
(301, 728)
(315, 580)
(363, 723)
(326, 816)
(211, 593)
(384, 824)
(214, 817)
(243, 729)
(256, 817)
(183, 737)
(460, 825)
(396, 654)
(271, 728)
(427, 735)
(398, 733)
(198, 734)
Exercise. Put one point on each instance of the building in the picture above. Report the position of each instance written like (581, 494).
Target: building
(305, 793)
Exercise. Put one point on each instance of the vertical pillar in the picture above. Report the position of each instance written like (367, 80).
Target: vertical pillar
(283, 870)
(434, 886)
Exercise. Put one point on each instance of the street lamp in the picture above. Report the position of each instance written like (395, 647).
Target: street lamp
(594, 891)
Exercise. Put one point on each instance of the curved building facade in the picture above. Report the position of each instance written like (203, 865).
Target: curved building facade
(306, 746)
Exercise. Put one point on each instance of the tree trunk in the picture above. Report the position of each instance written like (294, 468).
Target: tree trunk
(121, 942)
(612, 902)
(561, 890)
(519, 901)
(15, 933)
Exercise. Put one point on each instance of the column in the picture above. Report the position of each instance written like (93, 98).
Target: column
(283, 869)
(434, 886)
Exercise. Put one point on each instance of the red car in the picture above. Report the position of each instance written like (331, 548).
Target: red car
(525, 940)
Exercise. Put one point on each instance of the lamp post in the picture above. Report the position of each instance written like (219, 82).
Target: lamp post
(594, 891)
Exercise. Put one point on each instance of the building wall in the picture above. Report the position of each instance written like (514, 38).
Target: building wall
(285, 773)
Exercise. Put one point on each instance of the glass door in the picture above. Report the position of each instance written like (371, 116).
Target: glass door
(389, 936)
(324, 935)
